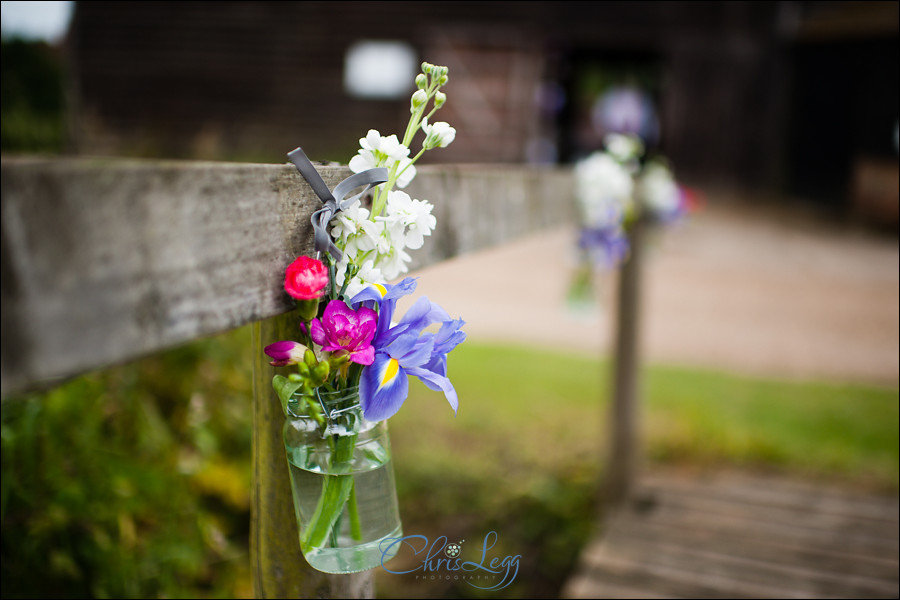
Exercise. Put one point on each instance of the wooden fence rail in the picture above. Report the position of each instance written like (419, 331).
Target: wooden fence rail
(108, 260)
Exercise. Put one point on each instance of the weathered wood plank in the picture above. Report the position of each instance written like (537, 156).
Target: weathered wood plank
(104, 261)
(858, 542)
(586, 588)
(761, 546)
(746, 489)
(664, 580)
(732, 563)
(809, 516)
(736, 537)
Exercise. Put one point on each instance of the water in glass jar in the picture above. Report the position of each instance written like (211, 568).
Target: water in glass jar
(379, 518)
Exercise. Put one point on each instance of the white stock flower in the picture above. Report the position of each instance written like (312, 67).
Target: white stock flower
(409, 218)
(394, 263)
(383, 151)
(366, 276)
(438, 135)
(407, 172)
(353, 230)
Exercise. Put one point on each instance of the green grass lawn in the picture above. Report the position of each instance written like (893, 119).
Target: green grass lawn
(135, 482)
(525, 454)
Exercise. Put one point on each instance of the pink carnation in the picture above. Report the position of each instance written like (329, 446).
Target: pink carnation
(343, 329)
(306, 278)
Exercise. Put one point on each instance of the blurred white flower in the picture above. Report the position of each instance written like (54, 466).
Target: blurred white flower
(658, 190)
(604, 189)
(623, 148)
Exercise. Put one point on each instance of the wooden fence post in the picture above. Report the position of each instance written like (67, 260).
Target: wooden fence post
(279, 569)
(624, 435)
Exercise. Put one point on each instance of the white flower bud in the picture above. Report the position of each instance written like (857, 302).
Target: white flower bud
(421, 81)
(439, 99)
(419, 98)
(426, 67)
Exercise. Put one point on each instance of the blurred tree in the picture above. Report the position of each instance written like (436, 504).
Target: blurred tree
(31, 88)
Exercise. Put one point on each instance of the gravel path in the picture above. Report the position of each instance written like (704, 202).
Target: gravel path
(745, 288)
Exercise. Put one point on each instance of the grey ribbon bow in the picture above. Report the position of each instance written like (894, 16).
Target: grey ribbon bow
(333, 202)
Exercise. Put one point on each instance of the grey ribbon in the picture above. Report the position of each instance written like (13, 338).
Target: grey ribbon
(333, 202)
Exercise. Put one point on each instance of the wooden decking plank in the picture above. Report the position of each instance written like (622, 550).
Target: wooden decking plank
(797, 515)
(688, 517)
(783, 493)
(651, 581)
(685, 583)
(762, 547)
(742, 536)
(737, 567)
(588, 587)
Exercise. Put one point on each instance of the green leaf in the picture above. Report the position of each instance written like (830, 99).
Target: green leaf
(285, 388)
(377, 454)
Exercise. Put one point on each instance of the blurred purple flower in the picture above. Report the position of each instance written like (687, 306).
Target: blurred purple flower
(607, 246)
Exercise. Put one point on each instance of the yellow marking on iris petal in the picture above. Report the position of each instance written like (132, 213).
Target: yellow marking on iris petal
(381, 289)
(390, 371)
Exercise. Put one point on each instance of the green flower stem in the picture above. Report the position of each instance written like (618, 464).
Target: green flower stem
(380, 196)
(338, 489)
(353, 511)
(335, 494)
(331, 279)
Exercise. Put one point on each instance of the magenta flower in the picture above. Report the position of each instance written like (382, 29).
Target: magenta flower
(305, 278)
(285, 353)
(343, 329)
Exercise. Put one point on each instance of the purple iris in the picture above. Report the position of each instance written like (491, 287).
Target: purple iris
(405, 349)
(384, 296)
(607, 246)
(343, 329)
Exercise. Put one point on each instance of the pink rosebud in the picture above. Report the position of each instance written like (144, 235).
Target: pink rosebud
(343, 329)
(285, 353)
(306, 278)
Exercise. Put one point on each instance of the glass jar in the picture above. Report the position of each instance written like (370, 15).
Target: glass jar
(342, 479)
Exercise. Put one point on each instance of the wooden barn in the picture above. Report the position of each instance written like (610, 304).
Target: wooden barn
(790, 96)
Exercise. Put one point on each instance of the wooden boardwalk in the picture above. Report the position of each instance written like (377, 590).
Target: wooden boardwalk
(741, 536)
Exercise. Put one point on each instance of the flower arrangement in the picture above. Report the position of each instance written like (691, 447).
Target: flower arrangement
(351, 359)
(615, 187)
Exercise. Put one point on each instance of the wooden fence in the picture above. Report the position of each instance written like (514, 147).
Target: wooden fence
(108, 260)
